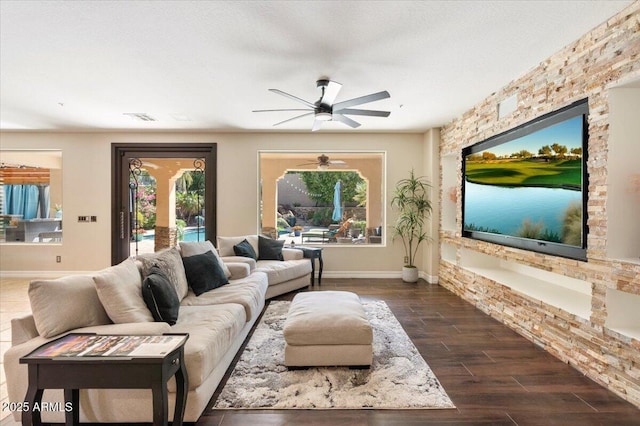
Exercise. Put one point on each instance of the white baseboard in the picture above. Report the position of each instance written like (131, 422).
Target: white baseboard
(39, 274)
(376, 274)
(431, 279)
(325, 274)
(361, 274)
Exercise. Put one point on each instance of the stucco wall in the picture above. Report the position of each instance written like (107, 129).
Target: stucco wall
(87, 191)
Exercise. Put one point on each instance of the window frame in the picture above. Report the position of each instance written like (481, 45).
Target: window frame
(333, 153)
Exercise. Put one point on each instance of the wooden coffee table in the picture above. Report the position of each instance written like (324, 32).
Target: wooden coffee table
(93, 361)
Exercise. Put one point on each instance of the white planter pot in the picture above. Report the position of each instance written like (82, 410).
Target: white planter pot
(409, 275)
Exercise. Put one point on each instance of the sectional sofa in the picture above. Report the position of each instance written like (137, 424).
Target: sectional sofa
(115, 301)
(285, 273)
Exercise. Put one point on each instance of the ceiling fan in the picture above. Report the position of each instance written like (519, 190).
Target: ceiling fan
(324, 109)
(323, 162)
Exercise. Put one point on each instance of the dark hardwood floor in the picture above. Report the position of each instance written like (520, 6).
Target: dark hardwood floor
(493, 375)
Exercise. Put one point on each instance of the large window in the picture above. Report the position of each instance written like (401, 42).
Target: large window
(31, 196)
(323, 198)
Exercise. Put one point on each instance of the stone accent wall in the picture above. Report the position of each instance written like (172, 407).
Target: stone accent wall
(165, 237)
(605, 57)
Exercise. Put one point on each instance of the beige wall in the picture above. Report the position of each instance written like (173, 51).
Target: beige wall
(87, 191)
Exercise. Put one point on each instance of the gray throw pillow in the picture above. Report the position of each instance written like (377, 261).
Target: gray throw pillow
(245, 249)
(160, 296)
(270, 249)
(204, 272)
(190, 248)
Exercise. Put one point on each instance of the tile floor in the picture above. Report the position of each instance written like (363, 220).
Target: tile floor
(14, 302)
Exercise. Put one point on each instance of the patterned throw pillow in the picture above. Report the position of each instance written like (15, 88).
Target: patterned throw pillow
(170, 262)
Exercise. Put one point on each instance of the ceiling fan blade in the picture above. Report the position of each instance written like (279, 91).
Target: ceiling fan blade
(317, 124)
(361, 100)
(369, 112)
(330, 93)
(337, 162)
(346, 120)
(276, 110)
(294, 118)
(295, 98)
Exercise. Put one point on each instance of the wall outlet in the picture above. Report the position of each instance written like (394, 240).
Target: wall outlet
(58, 259)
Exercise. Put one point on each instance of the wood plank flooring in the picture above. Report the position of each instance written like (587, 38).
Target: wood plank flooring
(493, 375)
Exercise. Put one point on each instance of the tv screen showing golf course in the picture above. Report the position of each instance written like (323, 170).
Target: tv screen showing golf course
(527, 187)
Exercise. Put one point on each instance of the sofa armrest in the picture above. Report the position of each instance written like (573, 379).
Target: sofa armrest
(23, 329)
(239, 259)
(292, 254)
(238, 270)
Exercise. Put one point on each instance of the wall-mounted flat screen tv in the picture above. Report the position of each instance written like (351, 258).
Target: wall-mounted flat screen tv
(527, 187)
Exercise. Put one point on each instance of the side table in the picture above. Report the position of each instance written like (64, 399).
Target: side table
(93, 361)
(313, 253)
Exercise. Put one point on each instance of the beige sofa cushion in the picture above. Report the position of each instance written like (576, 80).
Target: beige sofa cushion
(327, 318)
(225, 244)
(192, 248)
(170, 262)
(120, 291)
(212, 330)
(249, 292)
(292, 254)
(279, 271)
(64, 304)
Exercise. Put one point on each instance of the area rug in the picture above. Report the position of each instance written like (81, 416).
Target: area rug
(399, 377)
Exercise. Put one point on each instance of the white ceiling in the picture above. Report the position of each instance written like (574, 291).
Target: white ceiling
(80, 65)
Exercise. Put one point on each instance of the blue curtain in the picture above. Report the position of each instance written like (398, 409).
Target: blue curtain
(25, 200)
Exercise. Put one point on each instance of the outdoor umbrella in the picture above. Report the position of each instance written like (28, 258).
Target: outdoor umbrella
(337, 209)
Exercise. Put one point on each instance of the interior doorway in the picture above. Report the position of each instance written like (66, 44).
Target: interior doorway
(144, 179)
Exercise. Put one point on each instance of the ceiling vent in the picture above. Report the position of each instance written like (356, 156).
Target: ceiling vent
(140, 116)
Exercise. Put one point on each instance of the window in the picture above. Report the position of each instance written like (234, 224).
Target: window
(323, 198)
(31, 196)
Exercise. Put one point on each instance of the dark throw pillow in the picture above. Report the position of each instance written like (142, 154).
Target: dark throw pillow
(160, 296)
(269, 248)
(204, 272)
(245, 249)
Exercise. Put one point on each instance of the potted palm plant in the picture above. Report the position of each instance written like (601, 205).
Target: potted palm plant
(411, 200)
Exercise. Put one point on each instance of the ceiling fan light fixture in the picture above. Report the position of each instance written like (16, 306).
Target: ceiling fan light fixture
(325, 108)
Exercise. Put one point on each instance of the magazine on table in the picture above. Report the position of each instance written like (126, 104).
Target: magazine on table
(96, 345)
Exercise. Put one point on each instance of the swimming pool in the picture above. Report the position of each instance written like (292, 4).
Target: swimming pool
(190, 234)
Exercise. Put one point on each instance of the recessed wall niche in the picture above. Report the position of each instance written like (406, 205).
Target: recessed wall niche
(623, 179)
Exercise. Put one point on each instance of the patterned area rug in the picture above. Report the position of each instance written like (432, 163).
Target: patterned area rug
(399, 377)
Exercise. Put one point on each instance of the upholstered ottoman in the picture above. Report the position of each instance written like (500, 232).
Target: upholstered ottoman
(326, 328)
